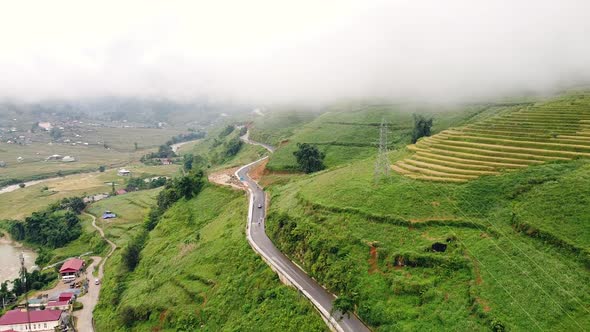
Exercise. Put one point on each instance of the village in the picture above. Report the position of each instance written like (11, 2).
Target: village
(52, 311)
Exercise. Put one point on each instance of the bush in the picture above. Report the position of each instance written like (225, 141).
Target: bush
(77, 306)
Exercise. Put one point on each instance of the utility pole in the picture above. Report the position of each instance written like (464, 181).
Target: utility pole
(23, 276)
(382, 162)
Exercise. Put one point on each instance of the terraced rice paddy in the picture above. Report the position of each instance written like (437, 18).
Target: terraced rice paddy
(557, 130)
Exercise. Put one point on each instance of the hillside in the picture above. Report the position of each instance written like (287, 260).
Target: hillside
(197, 269)
(503, 252)
(514, 139)
(346, 133)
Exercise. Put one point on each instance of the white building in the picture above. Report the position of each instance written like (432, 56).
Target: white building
(124, 172)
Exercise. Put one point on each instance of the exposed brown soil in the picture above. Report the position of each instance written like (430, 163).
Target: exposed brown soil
(484, 304)
(227, 177)
(257, 172)
(373, 260)
(283, 142)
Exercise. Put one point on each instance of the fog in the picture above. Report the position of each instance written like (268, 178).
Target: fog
(297, 51)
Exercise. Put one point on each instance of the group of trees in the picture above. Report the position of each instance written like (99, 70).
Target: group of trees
(164, 151)
(194, 135)
(34, 281)
(134, 184)
(189, 161)
(53, 227)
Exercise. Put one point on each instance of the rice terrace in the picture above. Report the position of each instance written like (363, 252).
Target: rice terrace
(313, 166)
(516, 138)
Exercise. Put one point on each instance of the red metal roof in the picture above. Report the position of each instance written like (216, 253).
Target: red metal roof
(73, 265)
(19, 317)
(65, 296)
(57, 303)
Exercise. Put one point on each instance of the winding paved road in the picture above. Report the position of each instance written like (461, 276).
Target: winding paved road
(89, 300)
(287, 270)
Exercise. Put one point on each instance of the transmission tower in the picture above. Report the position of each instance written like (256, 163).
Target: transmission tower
(382, 162)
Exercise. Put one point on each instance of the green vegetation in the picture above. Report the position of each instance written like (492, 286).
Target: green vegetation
(54, 227)
(22, 202)
(555, 130)
(348, 133)
(422, 127)
(516, 246)
(309, 158)
(197, 271)
(279, 125)
(35, 280)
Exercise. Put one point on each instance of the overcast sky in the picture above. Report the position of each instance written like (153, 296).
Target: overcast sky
(269, 51)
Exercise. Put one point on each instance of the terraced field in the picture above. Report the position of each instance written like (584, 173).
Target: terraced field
(558, 130)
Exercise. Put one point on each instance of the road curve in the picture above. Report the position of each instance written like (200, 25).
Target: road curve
(294, 275)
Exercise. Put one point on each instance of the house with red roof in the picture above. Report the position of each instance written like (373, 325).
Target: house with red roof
(58, 305)
(71, 269)
(65, 296)
(37, 320)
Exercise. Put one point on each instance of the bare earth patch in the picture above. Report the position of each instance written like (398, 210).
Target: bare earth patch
(227, 177)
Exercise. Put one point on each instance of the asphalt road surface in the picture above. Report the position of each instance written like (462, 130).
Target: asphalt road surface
(319, 296)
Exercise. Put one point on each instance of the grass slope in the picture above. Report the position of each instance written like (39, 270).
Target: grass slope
(347, 135)
(198, 272)
(504, 266)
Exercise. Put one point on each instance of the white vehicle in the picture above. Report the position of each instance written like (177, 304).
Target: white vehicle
(97, 281)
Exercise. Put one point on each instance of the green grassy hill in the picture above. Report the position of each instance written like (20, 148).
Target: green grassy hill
(517, 245)
(197, 272)
(346, 134)
(555, 130)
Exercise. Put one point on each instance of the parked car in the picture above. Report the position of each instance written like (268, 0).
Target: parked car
(260, 206)
(108, 215)
(97, 281)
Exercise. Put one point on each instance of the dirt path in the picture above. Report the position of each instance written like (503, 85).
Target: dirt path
(89, 300)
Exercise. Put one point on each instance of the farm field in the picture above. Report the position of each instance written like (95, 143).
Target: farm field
(346, 135)
(121, 151)
(22, 202)
(131, 210)
(197, 269)
(554, 130)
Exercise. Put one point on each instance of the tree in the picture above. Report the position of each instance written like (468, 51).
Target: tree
(422, 127)
(21, 185)
(136, 146)
(233, 147)
(55, 133)
(344, 304)
(309, 158)
(101, 168)
(188, 161)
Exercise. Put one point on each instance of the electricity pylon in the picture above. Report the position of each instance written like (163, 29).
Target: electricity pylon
(23, 276)
(382, 162)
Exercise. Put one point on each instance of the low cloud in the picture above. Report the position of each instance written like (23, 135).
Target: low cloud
(305, 51)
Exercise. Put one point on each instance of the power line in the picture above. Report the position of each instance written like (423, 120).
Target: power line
(382, 162)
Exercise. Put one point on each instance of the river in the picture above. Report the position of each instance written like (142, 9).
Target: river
(10, 258)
